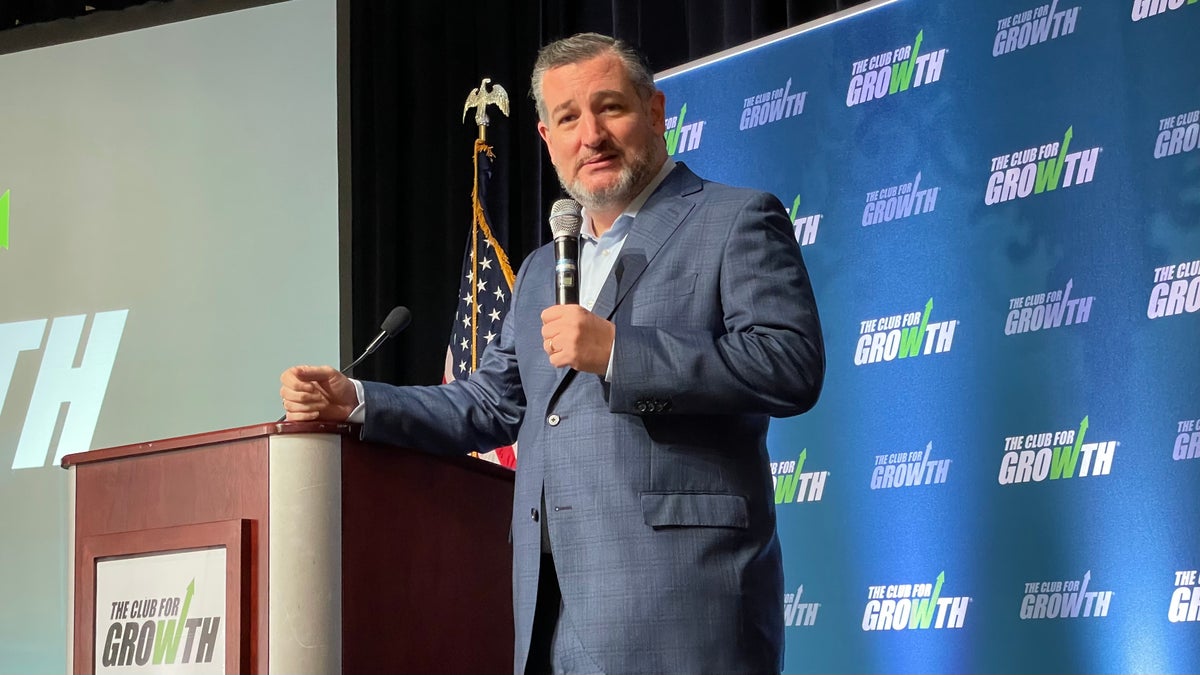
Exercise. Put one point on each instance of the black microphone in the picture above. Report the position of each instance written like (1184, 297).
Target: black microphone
(565, 221)
(396, 321)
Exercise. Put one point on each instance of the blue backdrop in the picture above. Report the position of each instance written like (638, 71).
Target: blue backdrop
(999, 206)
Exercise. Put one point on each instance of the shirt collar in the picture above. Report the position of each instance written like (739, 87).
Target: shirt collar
(619, 225)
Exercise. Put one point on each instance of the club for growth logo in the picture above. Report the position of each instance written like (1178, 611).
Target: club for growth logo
(919, 606)
(902, 336)
(1042, 168)
(1058, 455)
(1033, 26)
(893, 72)
(152, 630)
(771, 106)
(1064, 599)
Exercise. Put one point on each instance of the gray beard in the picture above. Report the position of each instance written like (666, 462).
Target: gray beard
(630, 181)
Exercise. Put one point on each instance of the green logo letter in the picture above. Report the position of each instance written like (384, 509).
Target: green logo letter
(4, 219)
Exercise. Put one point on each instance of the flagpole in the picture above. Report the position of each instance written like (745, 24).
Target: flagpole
(483, 281)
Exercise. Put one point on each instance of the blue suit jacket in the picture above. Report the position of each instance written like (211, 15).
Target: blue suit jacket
(658, 492)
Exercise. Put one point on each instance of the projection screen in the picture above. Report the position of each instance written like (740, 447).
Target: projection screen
(169, 242)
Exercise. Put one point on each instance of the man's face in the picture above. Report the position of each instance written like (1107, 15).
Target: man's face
(606, 143)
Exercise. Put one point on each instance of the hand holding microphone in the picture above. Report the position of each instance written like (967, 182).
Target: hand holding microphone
(572, 336)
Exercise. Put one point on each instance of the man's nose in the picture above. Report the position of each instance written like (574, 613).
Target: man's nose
(592, 131)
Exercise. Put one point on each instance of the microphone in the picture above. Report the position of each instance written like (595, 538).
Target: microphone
(396, 321)
(565, 221)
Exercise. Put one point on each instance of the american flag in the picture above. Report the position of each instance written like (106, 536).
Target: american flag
(485, 290)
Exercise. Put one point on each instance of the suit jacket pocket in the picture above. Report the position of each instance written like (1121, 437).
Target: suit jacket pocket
(694, 509)
(649, 292)
(665, 303)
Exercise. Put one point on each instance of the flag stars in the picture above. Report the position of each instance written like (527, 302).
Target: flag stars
(485, 293)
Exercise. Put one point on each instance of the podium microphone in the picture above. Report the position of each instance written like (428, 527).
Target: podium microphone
(565, 222)
(396, 321)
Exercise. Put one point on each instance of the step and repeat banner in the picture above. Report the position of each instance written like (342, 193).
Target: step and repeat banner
(999, 206)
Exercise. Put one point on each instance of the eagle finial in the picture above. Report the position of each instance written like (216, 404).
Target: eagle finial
(480, 97)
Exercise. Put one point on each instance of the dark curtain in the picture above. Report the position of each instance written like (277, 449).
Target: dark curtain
(412, 67)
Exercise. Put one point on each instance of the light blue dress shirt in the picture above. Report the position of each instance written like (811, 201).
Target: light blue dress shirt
(597, 255)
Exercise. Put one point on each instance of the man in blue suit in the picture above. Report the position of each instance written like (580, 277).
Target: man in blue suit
(643, 521)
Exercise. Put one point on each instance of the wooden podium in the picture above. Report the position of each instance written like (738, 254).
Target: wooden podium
(341, 556)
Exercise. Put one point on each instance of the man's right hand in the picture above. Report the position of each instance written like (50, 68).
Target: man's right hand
(317, 393)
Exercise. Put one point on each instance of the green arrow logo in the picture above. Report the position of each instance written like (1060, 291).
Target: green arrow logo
(4, 220)
(672, 136)
(169, 632)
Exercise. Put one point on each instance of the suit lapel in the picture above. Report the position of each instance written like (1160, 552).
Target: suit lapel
(656, 221)
(658, 218)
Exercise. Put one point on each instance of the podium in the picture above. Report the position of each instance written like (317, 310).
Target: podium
(332, 555)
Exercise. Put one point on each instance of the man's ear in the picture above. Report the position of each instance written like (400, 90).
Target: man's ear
(544, 132)
(658, 106)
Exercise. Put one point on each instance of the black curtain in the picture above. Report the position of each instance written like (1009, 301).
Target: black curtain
(412, 67)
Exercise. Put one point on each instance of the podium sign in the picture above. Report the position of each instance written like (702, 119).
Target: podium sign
(161, 613)
(167, 600)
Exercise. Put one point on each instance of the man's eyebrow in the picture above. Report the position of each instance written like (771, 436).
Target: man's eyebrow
(608, 93)
(603, 93)
(565, 104)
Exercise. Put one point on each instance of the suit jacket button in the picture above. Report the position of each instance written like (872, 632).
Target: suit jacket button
(552, 420)
(641, 406)
(533, 514)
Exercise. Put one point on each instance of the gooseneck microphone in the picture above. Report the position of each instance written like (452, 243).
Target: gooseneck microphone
(396, 321)
(565, 221)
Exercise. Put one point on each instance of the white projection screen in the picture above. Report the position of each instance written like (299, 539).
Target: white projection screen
(169, 243)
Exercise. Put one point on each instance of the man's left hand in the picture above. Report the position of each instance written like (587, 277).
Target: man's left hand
(574, 337)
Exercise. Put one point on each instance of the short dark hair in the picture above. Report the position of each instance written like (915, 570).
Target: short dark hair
(584, 46)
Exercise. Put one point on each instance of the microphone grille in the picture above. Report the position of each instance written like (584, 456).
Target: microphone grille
(396, 321)
(565, 218)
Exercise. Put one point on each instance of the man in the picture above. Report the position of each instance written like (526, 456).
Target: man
(643, 492)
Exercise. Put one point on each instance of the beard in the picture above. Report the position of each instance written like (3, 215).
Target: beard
(632, 178)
